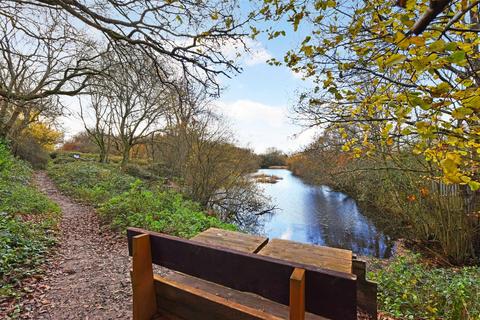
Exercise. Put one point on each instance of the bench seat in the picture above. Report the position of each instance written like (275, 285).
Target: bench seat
(169, 287)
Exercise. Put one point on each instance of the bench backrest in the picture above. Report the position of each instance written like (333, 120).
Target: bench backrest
(327, 293)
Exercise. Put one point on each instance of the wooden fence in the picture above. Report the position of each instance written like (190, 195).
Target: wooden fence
(458, 196)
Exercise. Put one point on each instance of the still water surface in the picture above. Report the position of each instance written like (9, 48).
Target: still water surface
(318, 215)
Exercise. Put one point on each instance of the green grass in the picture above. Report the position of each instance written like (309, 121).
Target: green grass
(411, 289)
(28, 221)
(125, 201)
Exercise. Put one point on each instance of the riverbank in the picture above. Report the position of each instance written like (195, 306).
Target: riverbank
(123, 200)
(277, 167)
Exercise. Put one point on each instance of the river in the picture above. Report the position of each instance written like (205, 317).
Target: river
(319, 215)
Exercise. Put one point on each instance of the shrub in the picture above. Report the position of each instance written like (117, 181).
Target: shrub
(30, 150)
(409, 289)
(23, 247)
(272, 157)
(161, 169)
(139, 171)
(157, 210)
(61, 160)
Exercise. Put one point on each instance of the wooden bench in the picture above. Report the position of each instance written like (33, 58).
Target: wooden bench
(214, 282)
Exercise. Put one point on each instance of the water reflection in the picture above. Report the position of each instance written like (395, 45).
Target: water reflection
(318, 215)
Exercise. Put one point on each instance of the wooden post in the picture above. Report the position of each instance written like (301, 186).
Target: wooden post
(297, 294)
(144, 300)
(366, 290)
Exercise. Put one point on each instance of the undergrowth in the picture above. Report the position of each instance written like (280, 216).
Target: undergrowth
(90, 181)
(158, 210)
(28, 221)
(408, 288)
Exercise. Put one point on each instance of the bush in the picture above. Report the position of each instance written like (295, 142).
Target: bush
(139, 171)
(272, 157)
(409, 289)
(61, 160)
(90, 181)
(161, 211)
(30, 150)
(28, 220)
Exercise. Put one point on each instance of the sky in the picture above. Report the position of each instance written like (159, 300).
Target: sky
(256, 103)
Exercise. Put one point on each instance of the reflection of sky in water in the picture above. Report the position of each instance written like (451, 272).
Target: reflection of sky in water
(318, 215)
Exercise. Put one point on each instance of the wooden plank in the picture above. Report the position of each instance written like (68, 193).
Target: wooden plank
(297, 294)
(191, 303)
(330, 294)
(322, 257)
(144, 301)
(231, 239)
(243, 298)
(165, 315)
(366, 290)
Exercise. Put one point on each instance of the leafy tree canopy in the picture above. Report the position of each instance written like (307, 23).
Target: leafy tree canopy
(399, 90)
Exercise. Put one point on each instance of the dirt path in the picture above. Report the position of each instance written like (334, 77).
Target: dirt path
(88, 276)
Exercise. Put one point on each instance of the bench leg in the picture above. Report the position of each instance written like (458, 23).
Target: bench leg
(297, 294)
(144, 300)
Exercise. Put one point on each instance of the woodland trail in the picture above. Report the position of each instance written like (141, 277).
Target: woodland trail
(87, 277)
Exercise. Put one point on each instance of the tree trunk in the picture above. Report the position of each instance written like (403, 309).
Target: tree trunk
(125, 156)
(3, 116)
(7, 127)
(102, 156)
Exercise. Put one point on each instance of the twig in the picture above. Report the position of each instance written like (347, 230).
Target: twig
(458, 16)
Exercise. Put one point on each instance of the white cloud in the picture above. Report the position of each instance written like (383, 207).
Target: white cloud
(258, 53)
(255, 52)
(260, 126)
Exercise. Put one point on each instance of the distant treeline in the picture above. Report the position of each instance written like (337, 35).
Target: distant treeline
(272, 157)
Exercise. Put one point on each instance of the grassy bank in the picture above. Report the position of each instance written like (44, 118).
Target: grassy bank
(28, 221)
(123, 200)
